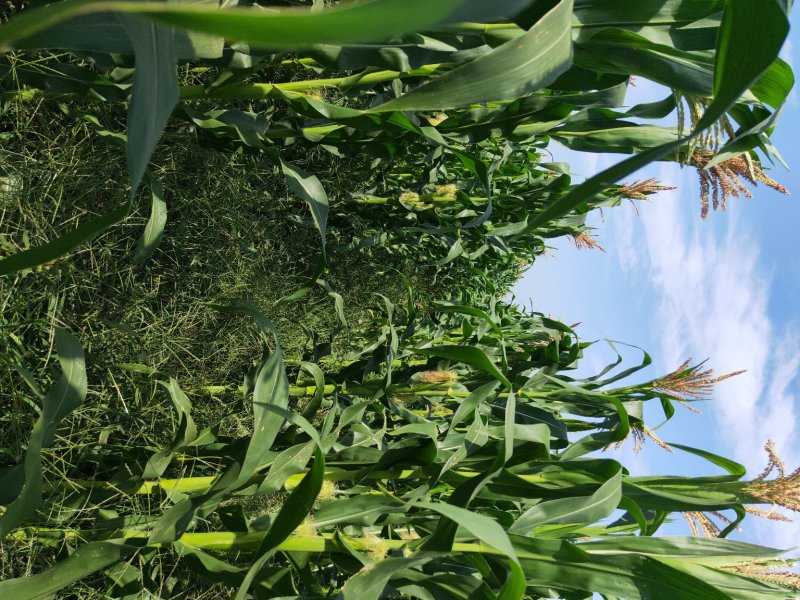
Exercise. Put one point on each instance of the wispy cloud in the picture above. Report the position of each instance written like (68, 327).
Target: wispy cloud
(627, 252)
(713, 301)
(787, 54)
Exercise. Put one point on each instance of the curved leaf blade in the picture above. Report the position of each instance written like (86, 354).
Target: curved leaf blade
(354, 23)
(65, 396)
(155, 91)
(517, 68)
(40, 255)
(154, 230)
(469, 355)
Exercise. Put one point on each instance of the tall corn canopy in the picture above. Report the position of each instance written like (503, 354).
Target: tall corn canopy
(448, 453)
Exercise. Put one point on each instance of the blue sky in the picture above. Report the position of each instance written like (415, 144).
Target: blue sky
(726, 288)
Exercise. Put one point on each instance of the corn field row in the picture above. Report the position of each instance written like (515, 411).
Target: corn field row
(442, 447)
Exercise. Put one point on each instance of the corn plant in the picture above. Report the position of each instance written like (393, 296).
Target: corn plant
(453, 453)
(444, 468)
(432, 83)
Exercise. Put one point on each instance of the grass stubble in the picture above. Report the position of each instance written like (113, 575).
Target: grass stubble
(233, 232)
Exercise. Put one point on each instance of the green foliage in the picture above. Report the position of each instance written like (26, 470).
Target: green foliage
(434, 444)
(23, 482)
(366, 114)
(417, 462)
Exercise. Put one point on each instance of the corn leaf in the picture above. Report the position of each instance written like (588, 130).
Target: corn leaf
(573, 510)
(286, 29)
(291, 515)
(85, 560)
(751, 36)
(517, 68)
(40, 255)
(469, 355)
(155, 92)
(148, 243)
(65, 396)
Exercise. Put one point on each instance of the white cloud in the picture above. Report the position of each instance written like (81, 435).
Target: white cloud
(628, 255)
(787, 54)
(713, 301)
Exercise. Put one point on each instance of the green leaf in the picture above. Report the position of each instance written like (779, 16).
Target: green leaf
(734, 585)
(632, 53)
(85, 560)
(631, 14)
(65, 396)
(751, 36)
(297, 505)
(186, 434)
(62, 245)
(678, 494)
(309, 189)
(154, 230)
(730, 466)
(705, 551)
(298, 420)
(310, 409)
(354, 510)
(291, 461)
(517, 68)
(155, 92)
(338, 301)
(209, 567)
(468, 310)
(589, 509)
(291, 515)
(567, 567)
(482, 527)
(252, 311)
(104, 32)
(369, 582)
(469, 355)
(456, 250)
(468, 405)
(354, 23)
(509, 427)
(271, 390)
(596, 441)
(514, 587)
(774, 85)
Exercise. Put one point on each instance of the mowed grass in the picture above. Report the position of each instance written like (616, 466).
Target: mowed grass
(234, 232)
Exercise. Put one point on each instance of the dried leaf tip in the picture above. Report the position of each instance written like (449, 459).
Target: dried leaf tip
(724, 180)
(689, 383)
(639, 190)
(584, 241)
(783, 490)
